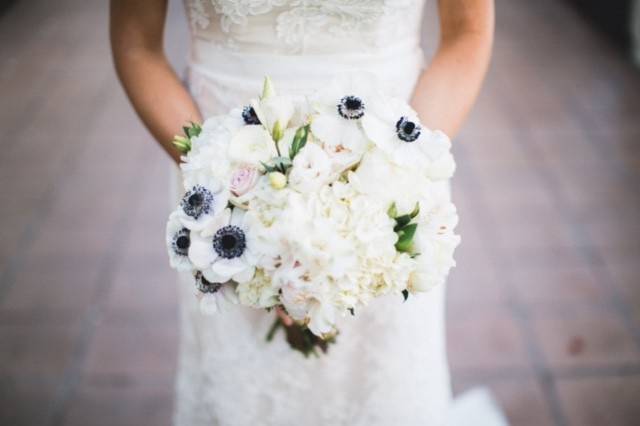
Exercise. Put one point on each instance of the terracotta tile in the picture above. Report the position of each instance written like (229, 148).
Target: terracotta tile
(596, 401)
(585, 338)
(538, 257)
(520, 398)
(523, 402)
(41, 350)
(143, 290)
(135, 352)
(55, 288)
(624, 271)
(25, 402)
(121, 404)
(475, 279)
(484, 340)
(539, 226)
(617, 230)
(558, 285)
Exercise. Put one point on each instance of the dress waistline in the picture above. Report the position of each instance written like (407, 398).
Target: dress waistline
(397, 67)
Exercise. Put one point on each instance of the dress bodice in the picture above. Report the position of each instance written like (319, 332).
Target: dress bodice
(305, 26)
(300, 44)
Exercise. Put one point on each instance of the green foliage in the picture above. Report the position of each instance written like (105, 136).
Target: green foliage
(405, 229)
(183, 143)
(277, 164)
(299, 141)
(405, 237)
(405, 294)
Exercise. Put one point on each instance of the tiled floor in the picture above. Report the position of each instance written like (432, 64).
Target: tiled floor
(544, 307)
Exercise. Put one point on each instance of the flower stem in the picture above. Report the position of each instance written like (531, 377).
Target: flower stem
(274, 327)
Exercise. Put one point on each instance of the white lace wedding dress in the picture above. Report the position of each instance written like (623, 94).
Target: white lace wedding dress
(389, 366)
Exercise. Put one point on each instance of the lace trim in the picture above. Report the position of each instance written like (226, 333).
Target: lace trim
(301, 18)
(198, 16)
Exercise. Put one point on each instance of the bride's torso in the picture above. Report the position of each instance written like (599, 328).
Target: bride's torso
(300, 44)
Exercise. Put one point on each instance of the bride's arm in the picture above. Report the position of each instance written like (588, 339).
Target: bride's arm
(153, 87)
(448, 88)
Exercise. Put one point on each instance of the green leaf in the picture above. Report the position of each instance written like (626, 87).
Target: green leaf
(182, 144)
(405, 294)
(193, 130)
(299, 141)
(393, 210)
(402, 221)
(416, 211)
(405, 237)
(268, 168)
(284, 161)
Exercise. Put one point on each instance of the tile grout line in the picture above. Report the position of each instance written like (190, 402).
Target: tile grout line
(92, 318)
(584, 246)
(517, 307)
(43, 207)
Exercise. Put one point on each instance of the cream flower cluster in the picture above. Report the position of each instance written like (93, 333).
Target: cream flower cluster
(317, 204)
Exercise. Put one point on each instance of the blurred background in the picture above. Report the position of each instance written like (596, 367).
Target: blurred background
(544, 307)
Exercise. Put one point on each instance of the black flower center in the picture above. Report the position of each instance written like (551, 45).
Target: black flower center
(197, 201)
(206, 286)
(181, 242)
(351, 107)
(229, 242)
(249, 115)
(407, 130)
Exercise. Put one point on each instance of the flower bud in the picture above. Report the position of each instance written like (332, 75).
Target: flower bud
(268, 91)
(182, 144)
(277, 180)
(278, 131)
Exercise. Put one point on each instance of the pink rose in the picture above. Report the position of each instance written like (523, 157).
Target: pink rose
(243, 180)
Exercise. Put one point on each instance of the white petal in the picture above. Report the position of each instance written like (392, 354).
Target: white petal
(245, 275)
(237, 217)
(228, 267)
(252, 145)
(382, 133)
(201, 252)
(214, 277)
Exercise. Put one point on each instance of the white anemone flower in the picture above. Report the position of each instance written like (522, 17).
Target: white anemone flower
(395, 129)
(339, 109)
(202, 203)
(213, 296)
(228, 253)
(178, 241)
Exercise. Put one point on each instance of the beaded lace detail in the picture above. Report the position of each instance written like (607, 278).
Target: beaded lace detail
(294, 22)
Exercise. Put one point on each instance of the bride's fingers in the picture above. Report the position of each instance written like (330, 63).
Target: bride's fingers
(286, 319)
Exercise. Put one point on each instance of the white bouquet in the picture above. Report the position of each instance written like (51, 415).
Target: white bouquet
(314, 205)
